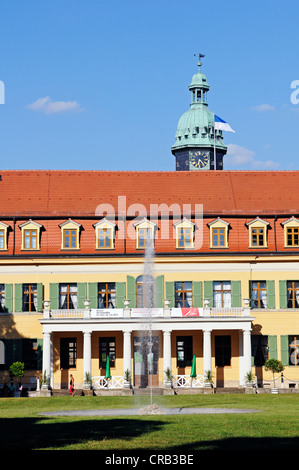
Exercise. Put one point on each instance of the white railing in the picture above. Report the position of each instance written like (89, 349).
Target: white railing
(226, 312)
(100, 382)
(185, 381)
(67, 313)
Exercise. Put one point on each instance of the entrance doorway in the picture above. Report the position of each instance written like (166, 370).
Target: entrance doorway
(143, 375)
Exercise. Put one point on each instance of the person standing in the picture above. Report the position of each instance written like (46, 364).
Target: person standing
(72, 385)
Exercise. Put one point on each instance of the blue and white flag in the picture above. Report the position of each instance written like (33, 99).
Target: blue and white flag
(222, 125)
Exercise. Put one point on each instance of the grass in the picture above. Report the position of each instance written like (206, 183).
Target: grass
(275, 428)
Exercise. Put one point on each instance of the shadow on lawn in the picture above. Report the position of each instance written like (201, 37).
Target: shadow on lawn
(31, 434)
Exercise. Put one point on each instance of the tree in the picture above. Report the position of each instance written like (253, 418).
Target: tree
(275, 366)
(17, 369)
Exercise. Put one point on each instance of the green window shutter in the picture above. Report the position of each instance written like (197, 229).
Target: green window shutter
(93, 294)
(208, 292)
(272, 342)
(169, 289)
(120, 289)
(236, 293)
(197, 294)
(131, 291)
(40, 296)
(9, 298)
(82, 294)
(159, 291)
(284, 345)
(40, 354)
(54, 296)
(18, 297)
(283, 294)
(270, 294)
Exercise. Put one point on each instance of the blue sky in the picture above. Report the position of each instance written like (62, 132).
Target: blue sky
(100, 85)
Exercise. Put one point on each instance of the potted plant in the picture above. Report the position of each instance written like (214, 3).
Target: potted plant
(168, 375)
(17, 369)
(88, 380)
(249, 382)
(275, 366)
(127, 376)
(208, 380)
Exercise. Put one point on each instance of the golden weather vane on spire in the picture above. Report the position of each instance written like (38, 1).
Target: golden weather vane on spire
(200, 56)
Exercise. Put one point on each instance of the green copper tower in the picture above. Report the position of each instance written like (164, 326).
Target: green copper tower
(196, 147)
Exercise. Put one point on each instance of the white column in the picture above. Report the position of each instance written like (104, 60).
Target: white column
(47, 357)
(167, 349)
(127, 350)
(207, 352)
(86, 353)
(247, 351)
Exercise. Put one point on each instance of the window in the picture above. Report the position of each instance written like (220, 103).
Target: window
(30, 235)
(106, 295)
(2, 239)
(143, 236)
(68, 296)
(293, 236)
(258, 294)
(219, 233)
(68, 353)
(260, 349)
(258, 236)
(70, 235)
(294, 350)
(29, 353)
(70, 238)
(293, 294)
(258, 233)
(185, 238)
(30, 239)
(222, 351)
(222, 294)
(291, 232)
(105, 230)
(29, 297)
(184, 351)
(184, 233)
(145, 232)
(183, 294)
(2, 297)
(107, 348)
(105, 238)
(3, 236)
(2, 354)
(145, 291)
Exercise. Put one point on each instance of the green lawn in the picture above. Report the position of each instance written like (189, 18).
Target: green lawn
(276, 427)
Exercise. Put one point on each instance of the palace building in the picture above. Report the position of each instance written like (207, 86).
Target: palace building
(224, 285)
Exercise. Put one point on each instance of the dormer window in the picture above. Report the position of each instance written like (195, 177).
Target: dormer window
(291, 232)
(184, 234)
(30, 235)
(70, 235)
(105, 234)
(218, 233)
(3, 236)
(145, 231)
(258, 233)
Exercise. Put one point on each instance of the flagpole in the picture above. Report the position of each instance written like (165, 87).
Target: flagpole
(214, 144)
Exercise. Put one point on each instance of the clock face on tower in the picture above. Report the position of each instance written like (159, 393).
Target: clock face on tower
(199, 160)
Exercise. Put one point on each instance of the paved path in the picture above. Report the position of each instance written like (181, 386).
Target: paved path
(135, 412)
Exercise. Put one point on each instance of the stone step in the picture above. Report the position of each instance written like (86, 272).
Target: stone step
(147, 391)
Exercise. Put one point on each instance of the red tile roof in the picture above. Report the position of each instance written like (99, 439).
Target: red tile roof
(35, 193)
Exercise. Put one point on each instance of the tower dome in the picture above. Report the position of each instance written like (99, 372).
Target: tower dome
(195, 131)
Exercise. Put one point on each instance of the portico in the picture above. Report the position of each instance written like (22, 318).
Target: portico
(124, 327)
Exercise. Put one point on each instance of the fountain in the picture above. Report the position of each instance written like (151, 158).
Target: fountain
(148, 304)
